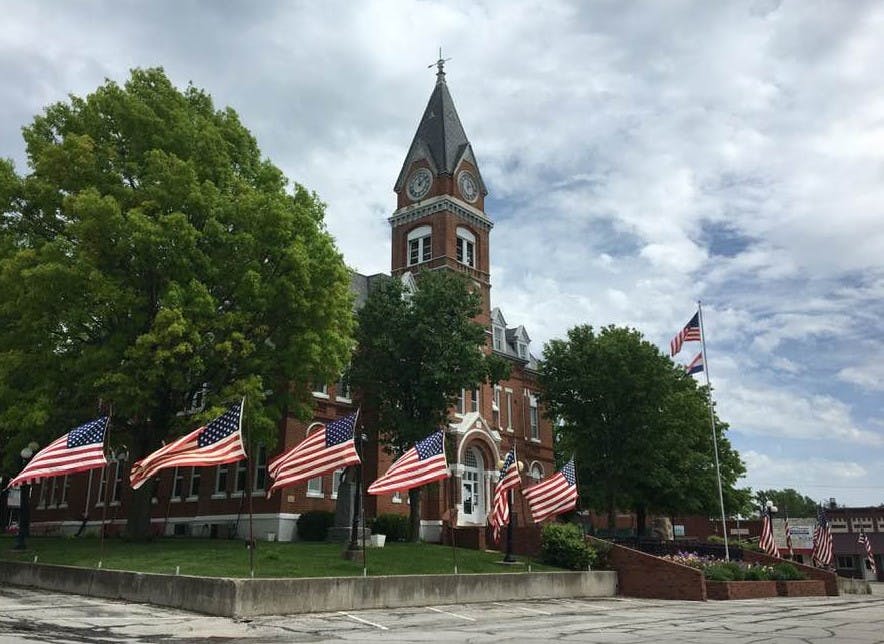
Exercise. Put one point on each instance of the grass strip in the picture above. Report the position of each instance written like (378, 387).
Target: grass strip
(230, 558)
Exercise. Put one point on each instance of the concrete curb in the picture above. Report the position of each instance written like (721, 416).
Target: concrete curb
(251, 597)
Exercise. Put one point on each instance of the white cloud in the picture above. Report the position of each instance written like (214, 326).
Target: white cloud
(850, 483)
(780, 413)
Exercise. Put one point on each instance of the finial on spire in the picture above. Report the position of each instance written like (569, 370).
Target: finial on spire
(440, 75)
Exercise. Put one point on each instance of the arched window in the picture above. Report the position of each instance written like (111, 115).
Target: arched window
(466, 247)
(420, 245)
(535, 472)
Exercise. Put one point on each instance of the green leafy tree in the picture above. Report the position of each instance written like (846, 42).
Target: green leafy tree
(638, 425)
(151, 250)
(415, 352)
(787, 501)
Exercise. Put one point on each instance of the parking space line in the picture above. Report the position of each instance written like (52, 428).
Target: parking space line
(439, 610)
(527, 610)
(364, 621)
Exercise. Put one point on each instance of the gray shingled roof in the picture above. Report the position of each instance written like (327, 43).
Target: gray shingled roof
(441, 133)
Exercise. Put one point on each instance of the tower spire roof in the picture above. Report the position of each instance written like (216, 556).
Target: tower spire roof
(440, 137)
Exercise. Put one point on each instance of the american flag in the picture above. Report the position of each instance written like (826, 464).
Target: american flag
(79, 450)
(553, 496)
(695, 365)
(690, 333)
(508, 480)
(864, 541)
(822, 541)
(789, 539)
(330, 446)
(766, 541)
(214, 444)
(422, 464)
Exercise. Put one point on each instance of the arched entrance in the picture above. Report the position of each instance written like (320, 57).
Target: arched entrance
(473, 486)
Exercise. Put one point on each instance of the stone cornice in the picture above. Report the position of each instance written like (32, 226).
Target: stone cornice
(442, 203)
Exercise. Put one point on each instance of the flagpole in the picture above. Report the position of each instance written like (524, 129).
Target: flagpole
(362, 497)
(509, 558)
(727, 555)
(105, 501)
(250, 465)
(452, 519)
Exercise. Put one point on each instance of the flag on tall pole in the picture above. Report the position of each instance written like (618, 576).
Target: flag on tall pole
(870, 558)
(422, 464)
(789, 539)
(81, 449)
(695, 365)
(327, 447)
(766, 541)
(690, 333)
(217, 443)
(822, 541)
(508, 479)
(553, 496)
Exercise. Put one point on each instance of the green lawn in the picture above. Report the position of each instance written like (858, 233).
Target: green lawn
(223, 558)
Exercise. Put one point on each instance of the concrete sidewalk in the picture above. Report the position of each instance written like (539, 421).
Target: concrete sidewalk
(39, 616)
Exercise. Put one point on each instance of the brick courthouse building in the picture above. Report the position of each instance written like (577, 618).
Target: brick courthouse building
(439, 224)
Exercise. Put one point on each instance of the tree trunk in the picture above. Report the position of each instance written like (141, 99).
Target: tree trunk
(140, 506)
(414, 516)
(138, 518)
(641, 518)
(612, 516)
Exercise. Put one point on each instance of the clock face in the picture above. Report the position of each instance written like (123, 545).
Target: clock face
(469, 188)
(419, 183)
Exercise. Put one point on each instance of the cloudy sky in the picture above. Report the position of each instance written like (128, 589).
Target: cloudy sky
(639, 157)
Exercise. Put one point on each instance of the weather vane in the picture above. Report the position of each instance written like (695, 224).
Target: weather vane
(440, 64)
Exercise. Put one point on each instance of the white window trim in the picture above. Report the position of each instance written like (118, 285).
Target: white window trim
(466, 239)
(418, 235)
(315, 494)
(256, 491)
(321, 393)
(336, 478)
(221, 494)
(509, 409)
(498, 333)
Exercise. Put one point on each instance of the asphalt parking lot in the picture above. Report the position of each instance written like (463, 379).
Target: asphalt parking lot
(36, 616)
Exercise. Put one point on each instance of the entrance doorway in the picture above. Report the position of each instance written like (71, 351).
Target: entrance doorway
(472, 486)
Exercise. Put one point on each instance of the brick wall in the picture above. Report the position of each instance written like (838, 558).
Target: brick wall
(642, 575)
(829, 578)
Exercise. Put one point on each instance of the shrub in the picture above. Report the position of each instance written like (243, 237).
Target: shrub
(756, 573)
(396, 526)
(314, 525)
(718, 572)
(786, 572)
(563, 545)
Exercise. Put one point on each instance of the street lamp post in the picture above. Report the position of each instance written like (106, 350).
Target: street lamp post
(509, 558)
(24, 495)
(770, 509)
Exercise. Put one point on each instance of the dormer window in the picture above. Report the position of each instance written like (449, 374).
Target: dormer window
(498, 337)
(466, 247)
(420, 245)
(523, 350)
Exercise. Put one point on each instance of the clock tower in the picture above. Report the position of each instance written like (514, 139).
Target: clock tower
(440, 221)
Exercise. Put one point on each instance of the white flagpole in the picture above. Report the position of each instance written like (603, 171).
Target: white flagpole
(727, 554)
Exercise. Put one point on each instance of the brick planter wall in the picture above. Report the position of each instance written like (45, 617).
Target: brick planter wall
(643, 575)
(830, 579)
(801, 588)
(740, 589)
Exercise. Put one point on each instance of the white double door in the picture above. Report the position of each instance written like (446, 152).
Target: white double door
(473, 487)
